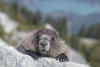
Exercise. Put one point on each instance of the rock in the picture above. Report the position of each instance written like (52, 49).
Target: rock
(77, 57)
(10, 57)
(2, 42)
(8, 24)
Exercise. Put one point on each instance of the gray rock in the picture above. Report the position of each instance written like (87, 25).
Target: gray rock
(10, 57)
(2, 42)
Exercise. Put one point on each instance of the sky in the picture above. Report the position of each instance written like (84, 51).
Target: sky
(82, 7)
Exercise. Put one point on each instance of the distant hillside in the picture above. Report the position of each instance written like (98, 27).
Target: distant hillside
(77, 20)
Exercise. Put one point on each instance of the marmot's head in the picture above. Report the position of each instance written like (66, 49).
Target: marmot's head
(46, 38)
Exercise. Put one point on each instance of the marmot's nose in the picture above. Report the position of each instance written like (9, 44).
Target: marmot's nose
(43, 44)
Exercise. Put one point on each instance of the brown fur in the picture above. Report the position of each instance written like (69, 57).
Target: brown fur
(31, 43)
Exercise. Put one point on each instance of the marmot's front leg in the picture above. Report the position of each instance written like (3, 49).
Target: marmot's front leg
(62, 58)
(34, 55)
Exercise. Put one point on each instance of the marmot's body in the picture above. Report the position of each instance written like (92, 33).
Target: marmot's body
(44, 43)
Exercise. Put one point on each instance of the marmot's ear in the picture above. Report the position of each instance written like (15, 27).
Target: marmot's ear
(35, 36)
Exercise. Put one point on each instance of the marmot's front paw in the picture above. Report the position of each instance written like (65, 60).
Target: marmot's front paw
(33, 54)
(62, 58)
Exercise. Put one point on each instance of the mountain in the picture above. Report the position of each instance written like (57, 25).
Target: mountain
(78, 20)
(88, 20)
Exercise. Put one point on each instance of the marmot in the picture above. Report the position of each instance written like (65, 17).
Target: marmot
(44, 43)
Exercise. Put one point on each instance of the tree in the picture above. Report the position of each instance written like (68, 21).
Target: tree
(48, 19)
(13, 9)
(97, 31)
(94, 55)
(1, 5)
(94, 31)
(90, 32)
(75, 42)
(2, 33)
(38, 18)
(61, 26)
(82, 31)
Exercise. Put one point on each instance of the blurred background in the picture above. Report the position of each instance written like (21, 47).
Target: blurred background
(78, 22)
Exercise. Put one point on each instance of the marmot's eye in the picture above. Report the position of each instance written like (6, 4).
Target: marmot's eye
(53, 38)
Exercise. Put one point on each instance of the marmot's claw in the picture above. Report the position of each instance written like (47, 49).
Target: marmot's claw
(62, 58)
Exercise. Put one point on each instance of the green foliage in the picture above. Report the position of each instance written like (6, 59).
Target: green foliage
(27, 27)
(27, 16)
(26, 19)
(2, 33)
(75, 42)
(82, 31)
(94, 55)
(61, 26)
(49, 19)
(13, 10)
(38, 18)
(29, 20)
(1, 5)
(92, 31)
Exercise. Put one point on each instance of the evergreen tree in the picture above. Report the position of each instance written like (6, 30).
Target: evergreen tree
(90, 32)
(97, 31)
(61, 26)
(82, 31)
(48, 19)
(2, 33)
(1, 5)
(13, 9)
(28, 16)
(93, 31)
(75, 42)
(38, 18)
